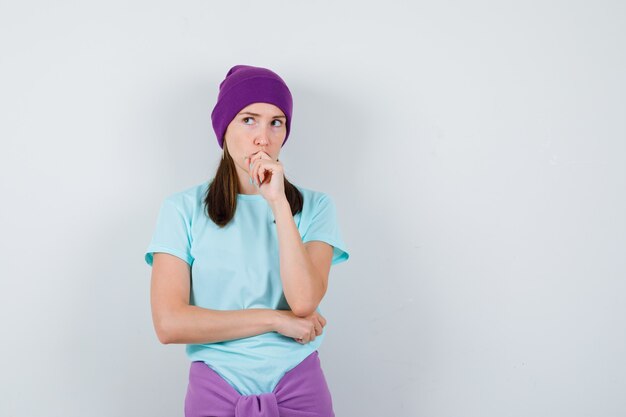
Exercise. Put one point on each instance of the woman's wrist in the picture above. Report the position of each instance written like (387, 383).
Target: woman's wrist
(276, 318)
(279, 204)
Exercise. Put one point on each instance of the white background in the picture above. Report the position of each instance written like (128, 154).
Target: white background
(475, 151)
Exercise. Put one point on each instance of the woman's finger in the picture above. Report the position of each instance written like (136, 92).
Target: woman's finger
(262, 170)
(258, 163)
(254, 163)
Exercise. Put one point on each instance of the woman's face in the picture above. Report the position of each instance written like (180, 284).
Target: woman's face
(257, 127)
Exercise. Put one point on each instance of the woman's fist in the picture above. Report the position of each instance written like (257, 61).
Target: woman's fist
(302, 329)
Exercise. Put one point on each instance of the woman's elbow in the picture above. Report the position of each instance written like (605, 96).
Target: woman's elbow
(161, 334)
(303, 310)
(163, 328)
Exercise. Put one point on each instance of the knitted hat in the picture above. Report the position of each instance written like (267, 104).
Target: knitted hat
(244, 85)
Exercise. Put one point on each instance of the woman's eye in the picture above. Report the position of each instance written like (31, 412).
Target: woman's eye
(280, 123)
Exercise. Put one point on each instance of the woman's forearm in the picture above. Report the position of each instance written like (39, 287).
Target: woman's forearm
(192, 324)
(302, 285)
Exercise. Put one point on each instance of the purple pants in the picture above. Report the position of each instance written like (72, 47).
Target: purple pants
(301, 392)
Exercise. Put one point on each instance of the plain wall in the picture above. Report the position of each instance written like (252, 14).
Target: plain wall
(475, 151)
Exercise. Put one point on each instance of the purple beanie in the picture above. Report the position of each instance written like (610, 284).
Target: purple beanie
(244, 85)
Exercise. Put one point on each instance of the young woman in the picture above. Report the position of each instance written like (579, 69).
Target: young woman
(241, 263)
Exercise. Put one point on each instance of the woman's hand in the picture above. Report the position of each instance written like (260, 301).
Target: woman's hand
(302, 329)
(268, 176)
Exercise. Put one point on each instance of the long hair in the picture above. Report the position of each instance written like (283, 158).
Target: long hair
(221, 197)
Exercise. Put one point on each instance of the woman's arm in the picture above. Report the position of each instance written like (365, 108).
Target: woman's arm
(175, 321)
(304, 268)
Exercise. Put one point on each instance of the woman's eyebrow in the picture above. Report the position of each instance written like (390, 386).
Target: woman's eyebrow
(256, 114)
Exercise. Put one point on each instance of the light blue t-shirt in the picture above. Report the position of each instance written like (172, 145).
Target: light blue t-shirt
(237, 267)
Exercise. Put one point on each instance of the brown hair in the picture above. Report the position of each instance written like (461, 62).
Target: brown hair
(221, 197)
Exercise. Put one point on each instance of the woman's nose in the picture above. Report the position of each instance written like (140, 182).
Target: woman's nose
(263, 136)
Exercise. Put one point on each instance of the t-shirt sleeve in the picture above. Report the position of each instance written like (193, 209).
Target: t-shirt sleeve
(325, 227)
(172, 233)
